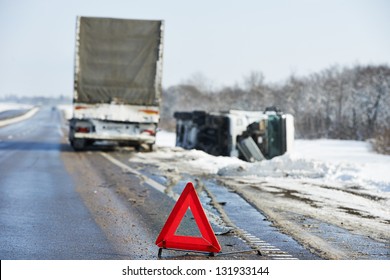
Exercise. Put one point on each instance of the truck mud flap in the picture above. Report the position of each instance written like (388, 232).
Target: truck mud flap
(250, 150)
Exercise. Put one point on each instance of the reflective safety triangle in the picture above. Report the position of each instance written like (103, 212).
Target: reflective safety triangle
(167, 238)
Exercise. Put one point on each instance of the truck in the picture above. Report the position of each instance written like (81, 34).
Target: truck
(248, 135)
(117, 82)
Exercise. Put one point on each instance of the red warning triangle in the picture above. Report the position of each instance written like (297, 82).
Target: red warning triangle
(167, 238)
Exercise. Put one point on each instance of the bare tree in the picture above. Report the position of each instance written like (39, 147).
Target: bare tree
(346, 103)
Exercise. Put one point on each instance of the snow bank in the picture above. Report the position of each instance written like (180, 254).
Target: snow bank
(369, 175)
(165, 139)
(343, 183)
(347, 162)
(355, 160)
(30, 111)
(193, 161)
(14, 106)
(66, 109)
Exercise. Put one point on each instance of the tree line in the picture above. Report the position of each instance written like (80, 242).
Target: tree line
(337, 102)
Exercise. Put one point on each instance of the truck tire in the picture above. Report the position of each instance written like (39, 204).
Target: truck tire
(78, 144)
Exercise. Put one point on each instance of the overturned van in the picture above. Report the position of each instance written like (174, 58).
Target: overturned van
(249, 135)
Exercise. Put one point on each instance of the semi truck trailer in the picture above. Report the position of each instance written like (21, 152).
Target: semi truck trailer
(117, 82)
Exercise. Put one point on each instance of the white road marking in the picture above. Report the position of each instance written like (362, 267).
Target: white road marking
(146, 179)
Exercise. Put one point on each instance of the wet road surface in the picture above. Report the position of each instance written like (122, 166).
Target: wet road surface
(41, 215)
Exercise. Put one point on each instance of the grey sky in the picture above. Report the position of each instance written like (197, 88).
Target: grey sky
(223, 40)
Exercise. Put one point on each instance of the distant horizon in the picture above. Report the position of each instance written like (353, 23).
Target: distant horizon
(220, 41)
(189, 82)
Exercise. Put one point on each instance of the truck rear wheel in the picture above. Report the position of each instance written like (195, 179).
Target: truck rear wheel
(78, 144)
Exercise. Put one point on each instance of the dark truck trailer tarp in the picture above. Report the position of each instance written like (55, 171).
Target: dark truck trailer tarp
(118, 61)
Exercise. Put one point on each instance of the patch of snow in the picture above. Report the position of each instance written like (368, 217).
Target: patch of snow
(348, 162)
(67, 110)
(30, 111)
(192, 161)
(165, 139)
(356, 160)
(14, 106)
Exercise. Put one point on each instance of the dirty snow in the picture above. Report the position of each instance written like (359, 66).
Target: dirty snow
(343, 183)
(349, 162)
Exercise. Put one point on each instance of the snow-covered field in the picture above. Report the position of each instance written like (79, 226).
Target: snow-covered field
(5, 106)
(338, 161)
(30, 111)
(66, 109)
(342, 183)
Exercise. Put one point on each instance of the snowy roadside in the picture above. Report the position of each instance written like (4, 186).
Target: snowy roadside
(66, 109)
(30, 111)
(342, 183)
(349, 162)
(14, 106)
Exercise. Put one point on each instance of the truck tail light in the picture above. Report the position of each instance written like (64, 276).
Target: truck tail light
(149, 131)
(83, 129)
(150, 111)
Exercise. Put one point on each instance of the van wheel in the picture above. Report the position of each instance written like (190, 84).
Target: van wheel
(137, 148)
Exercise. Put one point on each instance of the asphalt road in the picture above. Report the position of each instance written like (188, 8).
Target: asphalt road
(41, 214)
(59, 204)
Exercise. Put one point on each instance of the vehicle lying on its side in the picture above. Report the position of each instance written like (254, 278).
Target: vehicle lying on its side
(249, 135)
